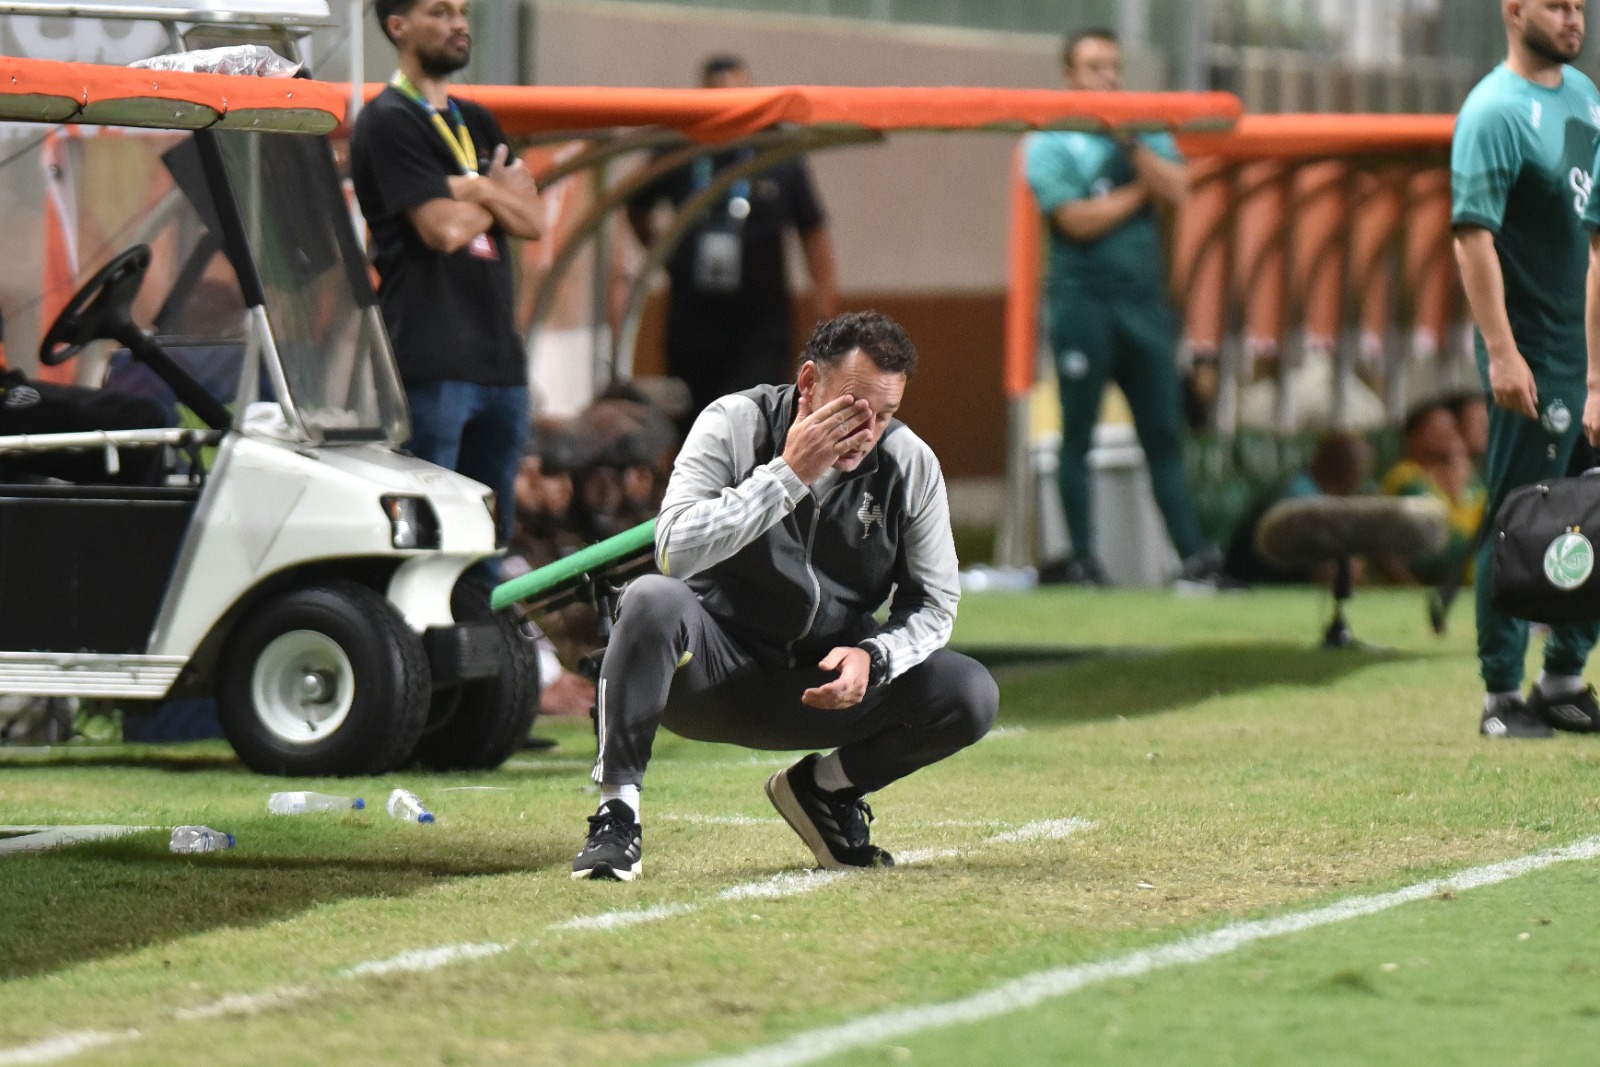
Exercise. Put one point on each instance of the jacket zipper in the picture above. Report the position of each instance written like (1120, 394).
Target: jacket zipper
(811, 572)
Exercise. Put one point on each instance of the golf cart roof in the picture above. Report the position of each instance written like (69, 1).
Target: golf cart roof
(42, 90)
(724, 114)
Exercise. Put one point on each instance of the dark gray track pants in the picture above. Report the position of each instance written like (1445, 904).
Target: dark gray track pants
(722, 694)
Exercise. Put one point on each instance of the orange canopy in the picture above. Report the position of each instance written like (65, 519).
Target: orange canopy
(41, 90)
(723, 114)
(1301, 137)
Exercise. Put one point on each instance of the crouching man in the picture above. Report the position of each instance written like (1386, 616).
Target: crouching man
(791, 514)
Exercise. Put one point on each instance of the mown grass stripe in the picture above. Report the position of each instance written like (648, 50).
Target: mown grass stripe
(1025, 992)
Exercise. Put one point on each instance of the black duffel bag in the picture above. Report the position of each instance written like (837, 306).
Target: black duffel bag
(1544, 554)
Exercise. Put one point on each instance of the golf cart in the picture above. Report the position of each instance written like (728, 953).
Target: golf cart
(287, 558)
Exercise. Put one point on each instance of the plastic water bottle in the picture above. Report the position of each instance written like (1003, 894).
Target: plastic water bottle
(403, 804)
(300, 802)
(199, 839)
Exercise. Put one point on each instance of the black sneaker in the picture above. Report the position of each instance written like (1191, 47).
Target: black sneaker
(615, 846)
(834, 825)
(1511, 718)
(1203, 573)
(1084, 571)
(1578, 712)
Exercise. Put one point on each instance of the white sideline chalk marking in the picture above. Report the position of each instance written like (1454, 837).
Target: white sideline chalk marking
(789, 883)
(243, 1004)
(425, 959)
(62, 1046)
(1025, 992)
(1005, 731)
(546, 764)
(722, 820)
(42, 838)
(793, 883)
(1049, 830)
(615, 920)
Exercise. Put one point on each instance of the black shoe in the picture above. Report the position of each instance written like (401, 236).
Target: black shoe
(834, 825)
(1202, 572)
(1511, 718)
(615, 846)
(1084, 571)
(1578, 712)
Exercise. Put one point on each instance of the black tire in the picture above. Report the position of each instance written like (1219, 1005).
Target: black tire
(478, 725)
(371, 668)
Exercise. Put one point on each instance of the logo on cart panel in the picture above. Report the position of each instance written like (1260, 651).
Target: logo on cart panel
(1569, 561)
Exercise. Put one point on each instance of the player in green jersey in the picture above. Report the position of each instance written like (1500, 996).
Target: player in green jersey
(1520, 180)
(1110, 317)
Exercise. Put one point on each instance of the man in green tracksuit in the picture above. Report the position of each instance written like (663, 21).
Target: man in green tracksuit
(1110, 317)
(1520, 180)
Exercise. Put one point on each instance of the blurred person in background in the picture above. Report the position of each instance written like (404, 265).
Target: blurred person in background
(1111, 318)
(730, 320)
(1520, 179)
(1437, 463)
(442, 194)
(1340, 466)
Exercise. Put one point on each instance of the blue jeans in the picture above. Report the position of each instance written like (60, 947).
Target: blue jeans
(475, 430)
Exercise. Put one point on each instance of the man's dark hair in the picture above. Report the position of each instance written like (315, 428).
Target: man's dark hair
(1069, 44)
(873, 332)
(717, 65)
(384, 8)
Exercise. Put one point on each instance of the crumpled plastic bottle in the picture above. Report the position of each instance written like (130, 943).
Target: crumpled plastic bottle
(255, 60)
(199, 839)
(403, 804)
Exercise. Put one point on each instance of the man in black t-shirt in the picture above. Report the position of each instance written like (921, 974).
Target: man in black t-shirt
(729, 324)
(441, 194)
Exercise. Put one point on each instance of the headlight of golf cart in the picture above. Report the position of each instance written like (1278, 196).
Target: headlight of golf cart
(412, 523)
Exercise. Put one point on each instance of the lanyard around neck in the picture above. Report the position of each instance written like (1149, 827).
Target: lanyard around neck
(459, 139)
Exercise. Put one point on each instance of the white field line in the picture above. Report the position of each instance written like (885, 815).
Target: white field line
(616, 920)
(546, 764)
(1025, 992)
(425, 959)
(789, 883)
(62, 1046)
(793, 883)
(244, 1004)
(722, 820)
(42, 838)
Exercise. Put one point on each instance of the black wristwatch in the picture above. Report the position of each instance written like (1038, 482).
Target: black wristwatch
(878, 663)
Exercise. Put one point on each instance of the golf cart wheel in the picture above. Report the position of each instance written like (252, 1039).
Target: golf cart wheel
(478, 725)
(326, 680)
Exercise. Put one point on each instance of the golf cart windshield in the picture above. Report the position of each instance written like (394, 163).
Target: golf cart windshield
(337, 379)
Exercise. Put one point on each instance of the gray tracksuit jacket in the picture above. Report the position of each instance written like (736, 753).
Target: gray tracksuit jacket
(792, 571)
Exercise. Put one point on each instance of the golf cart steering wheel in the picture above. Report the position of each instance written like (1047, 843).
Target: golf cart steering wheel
(103, 308)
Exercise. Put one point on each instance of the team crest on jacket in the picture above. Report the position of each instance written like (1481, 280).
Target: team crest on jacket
(1557, 418)
(868, 515)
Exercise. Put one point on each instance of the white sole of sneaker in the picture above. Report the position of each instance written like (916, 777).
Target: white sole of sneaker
(794, 813)
(607, 873)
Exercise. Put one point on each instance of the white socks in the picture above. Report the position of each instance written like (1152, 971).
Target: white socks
(628, 794)
(1555, 685)
(830, 776)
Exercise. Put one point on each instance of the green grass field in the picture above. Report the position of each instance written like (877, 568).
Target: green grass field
(1165, 769)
